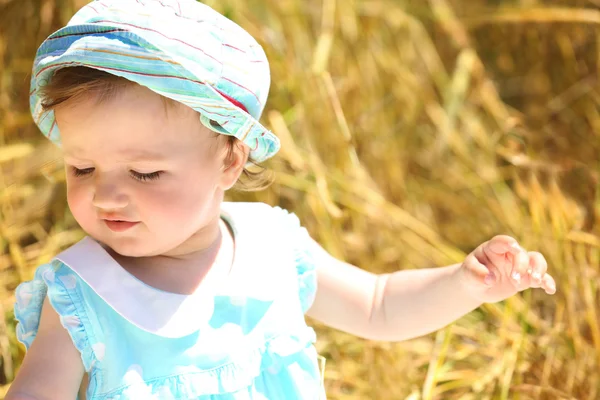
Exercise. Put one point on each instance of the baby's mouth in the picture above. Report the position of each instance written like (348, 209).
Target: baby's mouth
(119, 226)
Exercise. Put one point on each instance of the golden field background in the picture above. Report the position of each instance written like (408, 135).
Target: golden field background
(411, 132)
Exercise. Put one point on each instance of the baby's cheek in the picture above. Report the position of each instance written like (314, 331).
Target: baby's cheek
(163, 202)
(79, 199)
(177, 206)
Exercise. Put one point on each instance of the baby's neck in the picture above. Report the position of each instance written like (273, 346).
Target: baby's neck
(183, 272)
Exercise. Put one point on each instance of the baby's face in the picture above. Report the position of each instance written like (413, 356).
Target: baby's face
(142, 177)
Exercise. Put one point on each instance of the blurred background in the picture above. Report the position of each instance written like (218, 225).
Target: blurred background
(411, 132)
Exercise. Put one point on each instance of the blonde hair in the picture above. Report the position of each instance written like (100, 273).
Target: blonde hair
(76, 82)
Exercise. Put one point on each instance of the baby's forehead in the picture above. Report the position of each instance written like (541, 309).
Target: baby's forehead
(134, 118)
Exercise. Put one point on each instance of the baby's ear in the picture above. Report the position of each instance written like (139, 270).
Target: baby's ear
(236, 157)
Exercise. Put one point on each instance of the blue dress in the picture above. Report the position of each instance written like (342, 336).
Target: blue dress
(246, 339)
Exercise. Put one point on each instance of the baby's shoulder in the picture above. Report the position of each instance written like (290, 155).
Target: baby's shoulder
(64, 290)
(250, 208)
(259, 216)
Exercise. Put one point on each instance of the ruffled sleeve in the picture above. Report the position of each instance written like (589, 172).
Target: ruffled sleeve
(60, 284)
(304, 259)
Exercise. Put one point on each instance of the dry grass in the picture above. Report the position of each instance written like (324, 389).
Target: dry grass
(412, 131)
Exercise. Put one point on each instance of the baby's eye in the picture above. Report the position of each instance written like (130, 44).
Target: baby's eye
(81, 172)
(151, 176)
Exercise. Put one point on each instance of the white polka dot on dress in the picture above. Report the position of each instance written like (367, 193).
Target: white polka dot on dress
(48, 275)
(99, 350)
(69, 281)
(134, 373)
(164, 393)
(24, 298)
(238, 301)
(70, 320)
(138, 389)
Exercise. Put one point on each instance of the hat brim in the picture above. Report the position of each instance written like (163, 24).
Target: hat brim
(127, 53)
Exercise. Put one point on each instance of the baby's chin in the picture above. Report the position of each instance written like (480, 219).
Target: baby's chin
(126, 247)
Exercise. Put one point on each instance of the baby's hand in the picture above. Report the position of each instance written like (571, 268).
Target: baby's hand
(499, 268)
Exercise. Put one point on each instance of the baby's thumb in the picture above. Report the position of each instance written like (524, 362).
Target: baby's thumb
(478, 273)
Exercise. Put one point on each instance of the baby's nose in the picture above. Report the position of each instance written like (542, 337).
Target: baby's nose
(107, 196)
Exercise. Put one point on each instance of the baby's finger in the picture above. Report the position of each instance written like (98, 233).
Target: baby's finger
(537, 268)
(501, 244)
(549, 284)
(518, 274)
(487, 271)
(477, 272)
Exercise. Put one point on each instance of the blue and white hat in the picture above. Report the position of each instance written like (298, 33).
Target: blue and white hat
(180, 49)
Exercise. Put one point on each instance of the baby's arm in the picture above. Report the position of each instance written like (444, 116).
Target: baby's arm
(411, 303)
(390, 307)
(52, 368)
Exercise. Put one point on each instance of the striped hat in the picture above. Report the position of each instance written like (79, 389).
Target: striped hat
(180, 49)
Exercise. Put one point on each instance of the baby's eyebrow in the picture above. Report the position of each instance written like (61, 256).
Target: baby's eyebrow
(73, 154)
(130, 155)
(140, 155)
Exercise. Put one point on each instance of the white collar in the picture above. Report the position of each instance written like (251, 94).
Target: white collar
(153, 310)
